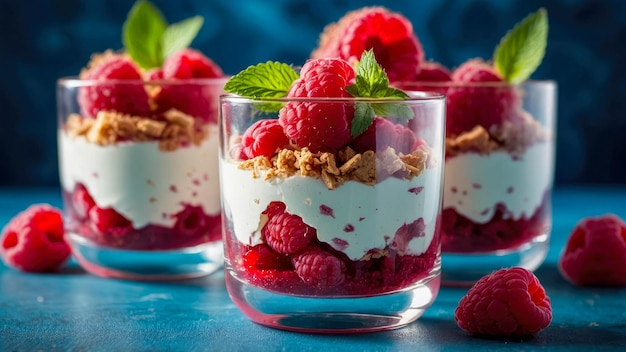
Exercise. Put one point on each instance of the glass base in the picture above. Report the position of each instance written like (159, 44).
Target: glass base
(185, 263)
(333, 315)
(464, 269)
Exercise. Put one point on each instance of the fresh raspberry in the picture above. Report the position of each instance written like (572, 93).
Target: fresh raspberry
(106, 219)
(33, 240)
(319, 126)
(479, 96)
(274, 208)
(383, 133)
(264, 138)
(319, 268)
(431, 71)
(262, 257)
(389, 34)
(595, 253)
(125, 95)
(188, 64)
(192, 221)
(509, 302)
(287, 233)
(153, 74)
(193, 98)
(82, 201)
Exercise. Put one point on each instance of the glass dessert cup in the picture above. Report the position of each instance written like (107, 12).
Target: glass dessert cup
(343, 241)
(141, 190)
(498, 179)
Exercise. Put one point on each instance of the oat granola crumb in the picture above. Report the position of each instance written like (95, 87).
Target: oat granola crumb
(514, 137)
(110, 127)
(336, 170)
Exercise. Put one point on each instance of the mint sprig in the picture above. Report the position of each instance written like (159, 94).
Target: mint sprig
(522, 49)
(149, 39)
(265, 80)
(269, 80)
(371, 81)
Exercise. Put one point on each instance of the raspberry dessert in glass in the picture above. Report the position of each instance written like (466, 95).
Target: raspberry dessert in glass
(331, 201)
(137, 143)
(499, 156)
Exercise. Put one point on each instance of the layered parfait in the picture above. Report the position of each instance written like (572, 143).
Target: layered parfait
(328, 191)
(138, 142)
(499, 142)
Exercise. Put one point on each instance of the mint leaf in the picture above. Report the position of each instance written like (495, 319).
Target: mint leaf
(265, 80)
(142, 34)
(400, 111)
(521, 50)
(179, 35)
(363, 118)
(371, 79)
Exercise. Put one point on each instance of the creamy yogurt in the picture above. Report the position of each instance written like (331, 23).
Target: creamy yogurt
(474, 184)
(353, 218)
(141, 182)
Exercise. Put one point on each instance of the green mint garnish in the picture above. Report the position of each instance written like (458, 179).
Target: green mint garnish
(148, 38)
(265, 80)
(178, 36)
(521, 50)
(372, 82)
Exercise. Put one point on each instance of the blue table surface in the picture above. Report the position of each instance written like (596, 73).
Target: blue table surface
(73, 310)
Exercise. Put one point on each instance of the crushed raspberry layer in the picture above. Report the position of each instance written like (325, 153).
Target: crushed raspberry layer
(462, 235)
(319, 269)
(108, 228)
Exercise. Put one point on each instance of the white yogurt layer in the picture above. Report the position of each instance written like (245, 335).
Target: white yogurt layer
(141, 182)
(474, 184)
(363, 217)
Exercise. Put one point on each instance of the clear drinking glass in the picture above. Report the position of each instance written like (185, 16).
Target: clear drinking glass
(139, 175)
(498, 176)
(340, 241)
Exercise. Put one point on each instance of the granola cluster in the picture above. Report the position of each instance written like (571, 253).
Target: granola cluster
(367, 167)
(513, 137)
(177, 129)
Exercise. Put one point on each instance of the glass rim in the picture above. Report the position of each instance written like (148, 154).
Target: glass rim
(75, 81)
(452, 84)
(413, 96)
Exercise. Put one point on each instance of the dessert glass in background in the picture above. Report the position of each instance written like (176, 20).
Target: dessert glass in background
(140, 187)
(333, 242)
(498, 176)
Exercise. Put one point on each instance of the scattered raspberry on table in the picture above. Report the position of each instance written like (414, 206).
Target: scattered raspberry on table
(595, 253)
(507, 303)
(33, 240)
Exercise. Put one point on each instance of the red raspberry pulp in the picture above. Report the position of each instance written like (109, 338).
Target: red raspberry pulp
(462, 235)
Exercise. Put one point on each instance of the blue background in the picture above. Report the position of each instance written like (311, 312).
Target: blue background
(41, 41)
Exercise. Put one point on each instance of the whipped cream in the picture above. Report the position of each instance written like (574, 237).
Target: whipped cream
(474, 184)
(353, 218)
(141, 182)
